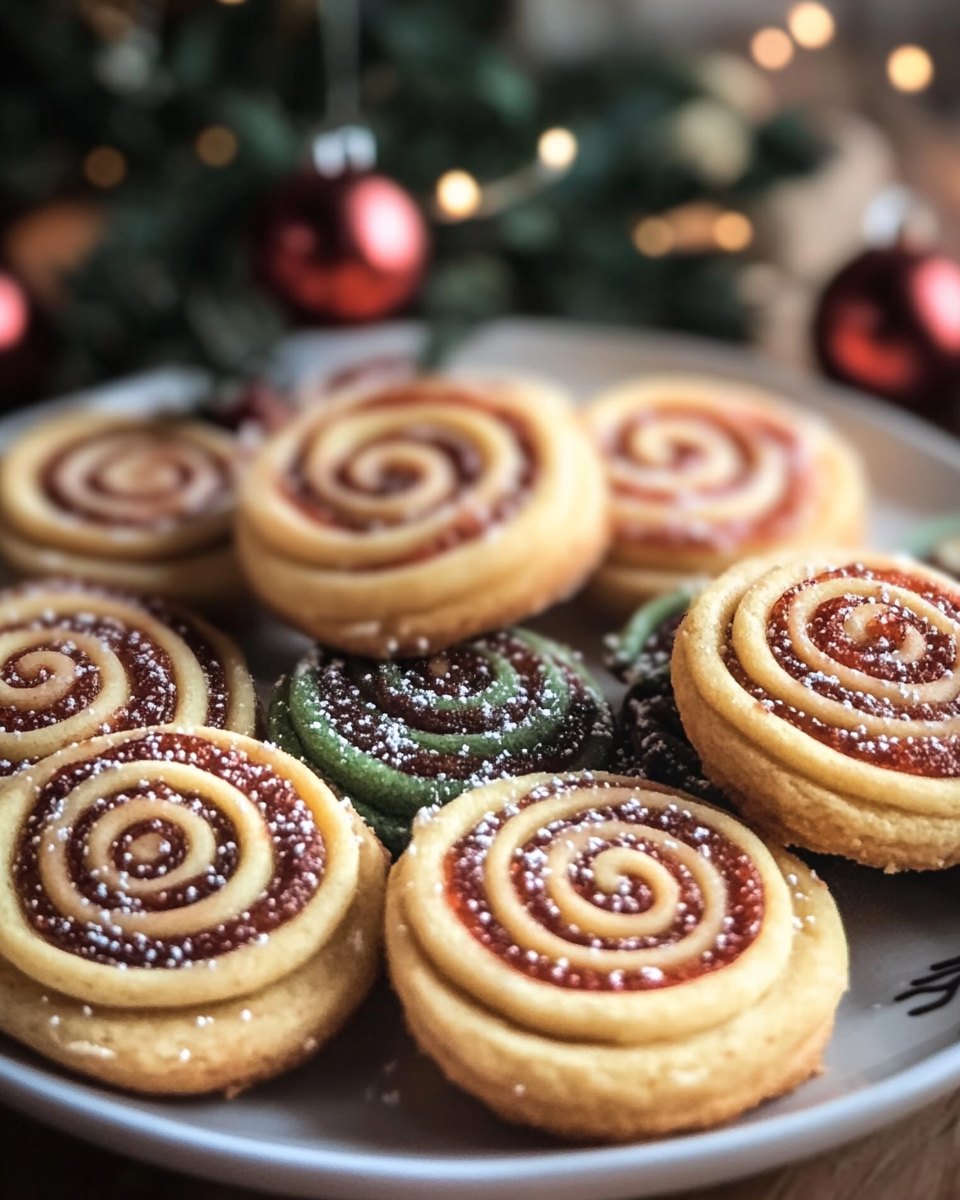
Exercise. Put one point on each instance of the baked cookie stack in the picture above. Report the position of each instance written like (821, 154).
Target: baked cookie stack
(704, 472)
(823, 695)
(182, 910)
(140, 504)
(579, 930)
(402, 519)
(604, 958)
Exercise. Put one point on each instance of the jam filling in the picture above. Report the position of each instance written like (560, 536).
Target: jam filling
(150, 674)
(168, 499)
(466, 893)
(933, 756)
(466, 523)
(747, 435)
(298, 857)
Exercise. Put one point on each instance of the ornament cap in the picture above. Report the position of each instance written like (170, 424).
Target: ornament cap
(897, 217)
(334, 152)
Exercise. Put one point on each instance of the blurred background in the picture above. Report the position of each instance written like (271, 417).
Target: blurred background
(183, 181)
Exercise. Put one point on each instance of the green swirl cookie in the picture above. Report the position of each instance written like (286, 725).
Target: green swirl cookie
(640, 653)
(396, 737)
(651, 741)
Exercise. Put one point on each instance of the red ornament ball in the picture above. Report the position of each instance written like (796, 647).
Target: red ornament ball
(889, 323)
(24, 344)
(344, 249)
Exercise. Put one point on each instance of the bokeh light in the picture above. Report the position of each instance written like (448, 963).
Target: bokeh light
(811, 24)
(732, 231)
(216, 145)
(653, 237)
(105, 167)
(910, 68)
(771, 49)
(557, 148)
(458, 195)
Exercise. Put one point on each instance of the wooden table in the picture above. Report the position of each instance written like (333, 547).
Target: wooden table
(919, 1159)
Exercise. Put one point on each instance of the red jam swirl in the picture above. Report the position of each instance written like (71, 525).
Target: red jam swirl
(163, 446)
(465, 866)
(151, 676)
(934, 756)
(296, 842)
(746, 435)
(466, 466)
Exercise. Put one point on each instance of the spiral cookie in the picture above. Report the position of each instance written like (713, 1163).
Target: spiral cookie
(400, 519)
(398, 737)
(138, 503)
(704, 472)
(76, 661)
(823, 696)
(603, 958)
(651, 740)
(182, 910)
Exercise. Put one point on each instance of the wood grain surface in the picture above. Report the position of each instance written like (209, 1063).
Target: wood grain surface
(918, 1159)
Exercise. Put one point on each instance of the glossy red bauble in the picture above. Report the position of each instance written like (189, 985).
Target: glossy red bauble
(344, 249)
(24, 344)
(889, 323)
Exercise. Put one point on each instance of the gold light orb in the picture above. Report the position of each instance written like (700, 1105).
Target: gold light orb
(771, 49)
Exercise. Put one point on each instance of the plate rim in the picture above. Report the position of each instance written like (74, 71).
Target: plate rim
(668, 1164)
(910, 1088)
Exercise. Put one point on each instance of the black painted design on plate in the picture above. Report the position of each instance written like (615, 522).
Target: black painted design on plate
(942, 984)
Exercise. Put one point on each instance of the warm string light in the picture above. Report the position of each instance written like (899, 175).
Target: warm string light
(105, 167)
(216, 146)
(692, 229)
(732, 231)
(458, 196)
(653, 237)
(771, 48)
(557, 149)
(811, 25)
(910, 69)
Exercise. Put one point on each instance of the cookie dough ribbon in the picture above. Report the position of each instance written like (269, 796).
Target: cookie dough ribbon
(406, 475)
(77, 661)
(169, 868)
(397, 737)
(696, 472)
(599, 908)
(845, 671)
(120, 487)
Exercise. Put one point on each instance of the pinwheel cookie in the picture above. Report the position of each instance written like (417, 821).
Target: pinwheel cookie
(705, 471)
(182, 911)
(603, 958)
(823, 696)
(651, 739)
(76, 661)
(397, 737)
(141, 504)
(400, 519)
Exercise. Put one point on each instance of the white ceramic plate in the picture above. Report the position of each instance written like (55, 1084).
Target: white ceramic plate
(371, 1119)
